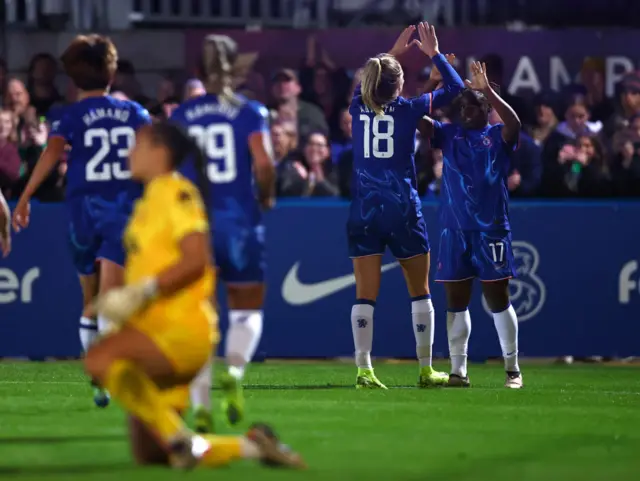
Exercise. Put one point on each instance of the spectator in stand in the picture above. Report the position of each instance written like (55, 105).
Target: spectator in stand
(41, 83)
(284, 139)
(576, 124)
(324, 84)
(628, 105)
(313, 175)
(286, 91)
(9, 156)
(167, 88)
(546, 119)
(317, 159)
(32, 137)
(525, 169)
(126, 81)
(592, 77)
(343, 139)
(3, 78)
(581, 170)
(292, 176)
(192, 89)
(626, 162)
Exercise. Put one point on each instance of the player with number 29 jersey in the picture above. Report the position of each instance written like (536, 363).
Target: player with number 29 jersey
(222, 129)
(233, 134)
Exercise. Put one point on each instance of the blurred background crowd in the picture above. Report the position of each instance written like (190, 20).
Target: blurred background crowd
(577, 142)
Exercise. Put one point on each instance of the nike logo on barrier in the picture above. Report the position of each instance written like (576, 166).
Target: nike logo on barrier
(298, 294)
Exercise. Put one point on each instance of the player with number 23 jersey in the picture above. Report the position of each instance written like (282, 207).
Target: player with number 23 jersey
(100, 192)
(99, 130)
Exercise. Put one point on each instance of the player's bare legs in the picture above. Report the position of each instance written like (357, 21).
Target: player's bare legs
(367, 273)
(89, 328)
(108, 275)
(136, 372)
(416, 275)
(243, 336)
(505, 319)
(458, 329)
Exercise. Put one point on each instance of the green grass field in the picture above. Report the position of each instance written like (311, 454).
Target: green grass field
(570, 423)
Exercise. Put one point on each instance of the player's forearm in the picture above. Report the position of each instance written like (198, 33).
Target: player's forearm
(453, 84)
(41, 171)
(450, 77)
(512, 124)
(266, 180)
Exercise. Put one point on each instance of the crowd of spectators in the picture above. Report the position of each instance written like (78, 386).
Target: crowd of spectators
(576, 144)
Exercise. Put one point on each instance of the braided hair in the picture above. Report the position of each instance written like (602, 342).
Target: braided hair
(219, 55)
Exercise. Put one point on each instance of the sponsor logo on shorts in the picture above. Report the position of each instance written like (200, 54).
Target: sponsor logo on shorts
(528, 292)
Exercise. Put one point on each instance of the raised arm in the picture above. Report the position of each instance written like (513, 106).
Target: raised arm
(453, 84)
(402, 45)
(479, 82)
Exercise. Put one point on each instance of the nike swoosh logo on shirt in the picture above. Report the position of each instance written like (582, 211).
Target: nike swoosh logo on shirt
(298, 294)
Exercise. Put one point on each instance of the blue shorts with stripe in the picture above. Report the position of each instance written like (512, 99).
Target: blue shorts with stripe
(468, 254)
(95, 230)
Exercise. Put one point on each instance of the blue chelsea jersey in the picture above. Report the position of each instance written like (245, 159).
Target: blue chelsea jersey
(474, 177)
(223, 129)
(384, 177)
(100, 131)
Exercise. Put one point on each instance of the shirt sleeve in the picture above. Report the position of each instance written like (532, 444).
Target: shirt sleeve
(187, 212)
(177, 117)
(495, 132)
(257, 118)
(63, 127)
(143, 117)
(439, 135)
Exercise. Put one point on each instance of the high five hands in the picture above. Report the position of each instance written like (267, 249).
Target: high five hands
(427, 43)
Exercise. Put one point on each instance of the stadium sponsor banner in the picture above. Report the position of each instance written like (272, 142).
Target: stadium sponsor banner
(534, 60)
(577, 291)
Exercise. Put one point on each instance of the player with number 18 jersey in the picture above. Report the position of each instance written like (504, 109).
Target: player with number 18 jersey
(386, 210)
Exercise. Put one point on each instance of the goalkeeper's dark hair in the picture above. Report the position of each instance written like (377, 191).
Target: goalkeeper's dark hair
(182, 148)
(217, 63)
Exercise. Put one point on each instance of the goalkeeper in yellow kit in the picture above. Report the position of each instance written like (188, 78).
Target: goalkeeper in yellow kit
(165, 328)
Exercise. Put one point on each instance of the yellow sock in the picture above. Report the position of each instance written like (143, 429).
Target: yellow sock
(140, 396)
(223, 450)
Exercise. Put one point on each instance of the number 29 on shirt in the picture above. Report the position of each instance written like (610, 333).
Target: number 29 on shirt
(378, 137)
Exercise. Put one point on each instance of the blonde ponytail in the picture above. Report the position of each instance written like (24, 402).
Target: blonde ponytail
(218, 69)
(371, 75)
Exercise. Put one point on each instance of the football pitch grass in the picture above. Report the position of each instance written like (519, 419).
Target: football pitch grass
(569, 423)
